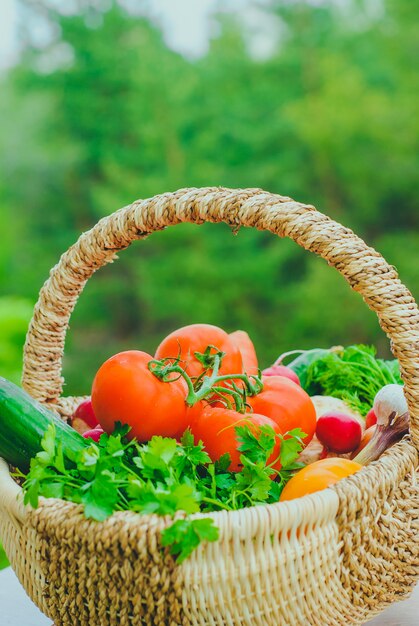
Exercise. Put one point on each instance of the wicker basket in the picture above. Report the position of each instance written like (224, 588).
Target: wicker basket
(336, 557)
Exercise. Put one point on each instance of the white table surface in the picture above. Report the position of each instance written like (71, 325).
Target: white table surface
(17, 610)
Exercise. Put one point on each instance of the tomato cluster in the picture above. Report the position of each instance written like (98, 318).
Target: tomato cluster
(126, 389)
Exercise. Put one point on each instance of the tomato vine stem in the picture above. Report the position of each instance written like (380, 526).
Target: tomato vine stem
(207, 385)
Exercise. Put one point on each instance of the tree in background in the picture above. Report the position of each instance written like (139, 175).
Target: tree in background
(107, 113)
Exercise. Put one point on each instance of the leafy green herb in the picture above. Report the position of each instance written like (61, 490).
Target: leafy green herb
(186, 534)
(163, 477)
(353, 374)
(300, 364)
(256, 448)
(291, 446)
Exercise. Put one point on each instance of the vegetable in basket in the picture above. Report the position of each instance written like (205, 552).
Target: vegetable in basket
(84, 417)
(186, 342)
(94, 434)
(287, 404)
(23, 423)
(216, 428)
(318, 476)
(247, 351)
(163, 477)
(392, 413)
(353, 374)
(300, 364)
(186, 433)
(367, 436)
(125, 390)
(107, 472)
(370, 418)
(339, 432)
(282, 370)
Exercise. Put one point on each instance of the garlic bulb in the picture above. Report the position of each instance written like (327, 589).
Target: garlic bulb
(392, 413)
(390, 399)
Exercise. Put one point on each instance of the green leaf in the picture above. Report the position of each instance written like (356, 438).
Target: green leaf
(257, 447)
(223, 463)
(88, 458)
(254, 480)
(52, 490)
(161, 499)
(46, 456)
(100, 498)
(185, 499)
(183, 536)
(275, 491)
(31, 488)
(195, 454)
(59, 461)
(187, 439)
(160, 449)
(290, 449)
(224, 481)
(291, 446)
(353, 374)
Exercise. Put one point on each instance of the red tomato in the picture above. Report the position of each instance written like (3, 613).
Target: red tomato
(215, 427)
(196, 338)
(247, 350)
(192, 413)
(287, 404)
(125, 390)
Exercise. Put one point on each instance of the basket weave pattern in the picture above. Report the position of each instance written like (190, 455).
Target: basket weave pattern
(336, 557)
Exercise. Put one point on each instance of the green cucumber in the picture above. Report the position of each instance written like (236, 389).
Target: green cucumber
(23, 423)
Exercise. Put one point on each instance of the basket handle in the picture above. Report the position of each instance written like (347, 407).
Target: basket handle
(364, 269)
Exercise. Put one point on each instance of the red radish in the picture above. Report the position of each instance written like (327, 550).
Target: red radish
(85, 413)
(323, 454)
(370, 419)
(94, 434)
(282, 370)
(339, 432)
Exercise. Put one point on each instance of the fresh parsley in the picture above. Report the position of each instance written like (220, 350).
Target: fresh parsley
(163, 477)
(353, 374)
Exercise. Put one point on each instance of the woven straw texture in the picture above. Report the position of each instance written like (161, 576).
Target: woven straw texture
(336, 557)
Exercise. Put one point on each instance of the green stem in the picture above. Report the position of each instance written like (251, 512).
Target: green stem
(238, 399)
(253, 390)
(246, 495)
(221, 505)
(208, 383)
(123, 498)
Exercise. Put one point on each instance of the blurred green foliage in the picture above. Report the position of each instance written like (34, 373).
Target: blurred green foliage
(15, 314)
(108, 113)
